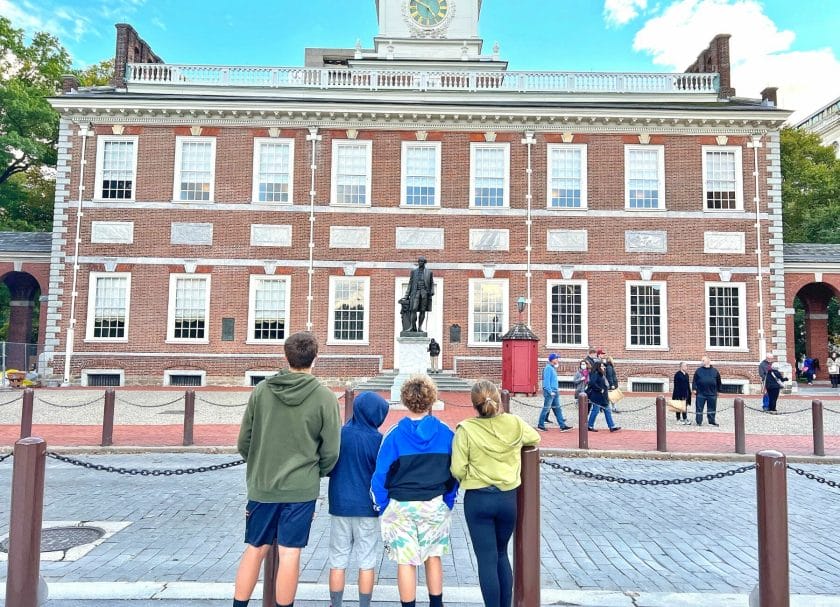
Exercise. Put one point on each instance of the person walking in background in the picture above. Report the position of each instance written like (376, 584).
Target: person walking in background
(612, 381)
(597, 393)
(551, 395)
(808, 370)
(682, 391)
(833, 365)
(434, 352)
(773, 383)
(763, 370)
(289, 439)
(354, 524)
(592, 357)
(415, 492)
(581, 379)
(486, 460)
(706, 385)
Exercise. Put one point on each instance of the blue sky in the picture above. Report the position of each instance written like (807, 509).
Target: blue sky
(790, 44)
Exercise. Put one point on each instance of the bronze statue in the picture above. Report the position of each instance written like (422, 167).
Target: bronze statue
(405, 313)
(421, 289)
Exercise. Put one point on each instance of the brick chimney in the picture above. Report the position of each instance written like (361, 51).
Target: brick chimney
(768, 96)
(131, 48)
(69, 83)
(716, 59)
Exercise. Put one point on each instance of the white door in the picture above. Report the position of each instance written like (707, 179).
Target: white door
(434, 319)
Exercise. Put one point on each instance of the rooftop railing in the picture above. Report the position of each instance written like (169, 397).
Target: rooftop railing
(375, 80)
(824, 114)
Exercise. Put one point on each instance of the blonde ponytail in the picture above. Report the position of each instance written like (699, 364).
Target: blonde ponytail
(486, 398)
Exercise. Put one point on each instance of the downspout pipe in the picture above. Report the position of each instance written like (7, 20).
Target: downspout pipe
(755, 144)
(313, 138)
(529, 141)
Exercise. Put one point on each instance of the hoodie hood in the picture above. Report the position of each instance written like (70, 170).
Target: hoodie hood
(495, 436)
(292, 388)
(369, 411)
(420, 433)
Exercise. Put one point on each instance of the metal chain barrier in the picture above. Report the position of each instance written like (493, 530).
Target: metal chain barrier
(3, 458)
(777, 412)
(143, 471)
(530, 406)
(41, 401)
(647, 482)
(222, 405)
(9, 402)
(814, 477)
(127, 402)
(830, 410)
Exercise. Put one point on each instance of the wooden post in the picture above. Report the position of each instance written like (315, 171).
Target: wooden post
(506, 401)
(349, 399)
(26, 412)
(108, 418)
(817, 422)
(771, 493)
(25, 522)
(189, 417)
(270, 576)
(583, 422)
(740, 432)
(526, 545)
(661, 436)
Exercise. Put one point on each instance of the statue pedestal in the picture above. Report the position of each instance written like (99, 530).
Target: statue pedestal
(414, 359)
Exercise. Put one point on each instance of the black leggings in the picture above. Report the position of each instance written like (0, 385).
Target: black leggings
(491, 517)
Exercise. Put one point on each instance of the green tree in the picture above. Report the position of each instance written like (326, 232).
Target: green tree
(98, 74)
(810, 188)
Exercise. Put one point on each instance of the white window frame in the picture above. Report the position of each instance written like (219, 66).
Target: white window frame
(660, 170)
(176, 181)
(505, 147)
(93, 278)
(365, 280)
(252, 291)
(167, 375)
(584, 175)
(663, 322)
(100, 167)
(584, 300)
(505, 310)
(263, 374)
(632, 381)
(739, 177)
(170, 314)
(255, 180)
(338, 143)
(86, 372)
(403, 176)
(742, 316)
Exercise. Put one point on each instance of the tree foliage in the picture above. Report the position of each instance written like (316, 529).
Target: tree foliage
(810, 188)
(98, 74)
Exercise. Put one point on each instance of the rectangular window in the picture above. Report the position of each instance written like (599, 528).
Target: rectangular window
(644, 168)
(351, 172)
(489, 171)
(421, 174)
(268, 311)
(647, 315)
(566, 176)
(725, 316)
(195, 167)
(722, 180)
(189, 308)
(108, 305)
(567, 313)
(116, 168)
(488, 309)
(349, 309)
(273, 163)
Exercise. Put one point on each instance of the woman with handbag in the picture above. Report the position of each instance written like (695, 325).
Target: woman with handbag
(615, 395)
(682, 392)
(597, 393)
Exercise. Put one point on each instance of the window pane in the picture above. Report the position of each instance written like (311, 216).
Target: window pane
(196, 170)
(488, 308)
(351, 173)
(645, 315)
(190, 303)
(349, 310)
(489, 171)
(720, 179)
(643, 179)
(724, 317)
(567, 314)
(110, 307)
(565, 166)
(273, 175)
(420, 175)
(270, 309)
(118, 169)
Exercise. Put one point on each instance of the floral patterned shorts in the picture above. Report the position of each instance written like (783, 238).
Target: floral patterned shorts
(414, 531)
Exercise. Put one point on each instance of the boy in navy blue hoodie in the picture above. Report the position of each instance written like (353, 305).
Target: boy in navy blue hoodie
(354, 521)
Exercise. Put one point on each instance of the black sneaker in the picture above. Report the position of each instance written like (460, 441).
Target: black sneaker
(615, 428)
(714, 424)
(591, 429)
(565, 428)
(542, 428)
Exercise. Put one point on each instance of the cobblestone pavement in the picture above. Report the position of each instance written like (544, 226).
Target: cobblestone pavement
(595, 535)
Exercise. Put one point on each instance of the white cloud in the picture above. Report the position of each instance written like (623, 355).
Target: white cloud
(620, 12)
(760, 52)
(62, 22)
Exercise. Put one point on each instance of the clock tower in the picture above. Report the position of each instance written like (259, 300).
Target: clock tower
(443, 30)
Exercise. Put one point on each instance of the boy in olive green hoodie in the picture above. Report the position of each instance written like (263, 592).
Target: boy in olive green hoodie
(289, 439)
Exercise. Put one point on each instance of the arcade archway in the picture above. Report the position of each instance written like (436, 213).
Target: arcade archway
(19, 320)
(816, 322)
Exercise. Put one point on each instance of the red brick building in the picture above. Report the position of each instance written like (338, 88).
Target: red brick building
(220, 208)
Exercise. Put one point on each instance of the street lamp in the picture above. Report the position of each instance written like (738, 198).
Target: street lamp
(520, 305)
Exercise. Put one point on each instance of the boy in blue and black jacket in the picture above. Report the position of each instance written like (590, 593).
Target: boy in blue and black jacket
(354, 522)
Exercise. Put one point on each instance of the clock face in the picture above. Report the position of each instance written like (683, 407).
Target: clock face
(428, 13)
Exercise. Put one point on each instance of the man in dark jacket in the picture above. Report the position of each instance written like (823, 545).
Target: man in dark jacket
(706, 384)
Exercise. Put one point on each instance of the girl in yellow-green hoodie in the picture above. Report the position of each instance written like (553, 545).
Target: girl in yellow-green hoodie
(486, 460)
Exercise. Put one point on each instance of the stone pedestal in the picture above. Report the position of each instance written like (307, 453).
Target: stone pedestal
(414, 358)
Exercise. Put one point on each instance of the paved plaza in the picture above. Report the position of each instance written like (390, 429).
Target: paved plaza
(596, 536)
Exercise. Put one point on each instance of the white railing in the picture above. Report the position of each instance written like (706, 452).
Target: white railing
(372, 80)
(823, 114)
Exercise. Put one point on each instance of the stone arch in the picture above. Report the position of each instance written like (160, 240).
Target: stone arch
(815, 297)
(21, 347)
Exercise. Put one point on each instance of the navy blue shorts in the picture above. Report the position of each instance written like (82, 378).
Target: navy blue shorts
(289, 523)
